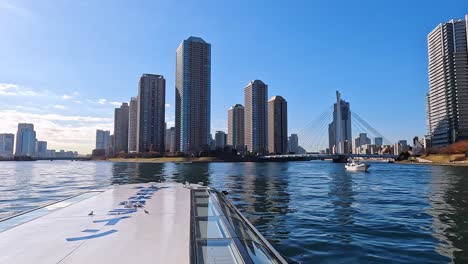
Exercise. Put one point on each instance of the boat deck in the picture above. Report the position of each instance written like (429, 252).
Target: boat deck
(113, 234)
(136, 223)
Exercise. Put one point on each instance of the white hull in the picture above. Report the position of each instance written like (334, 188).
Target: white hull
(357, 167)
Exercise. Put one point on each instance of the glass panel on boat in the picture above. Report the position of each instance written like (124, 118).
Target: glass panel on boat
(257, 252)
(206, 210)
(218, 251)
(41, 211)
(210, 227)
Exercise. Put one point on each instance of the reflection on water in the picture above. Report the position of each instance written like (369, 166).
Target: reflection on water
(448, 197)
(309, 211)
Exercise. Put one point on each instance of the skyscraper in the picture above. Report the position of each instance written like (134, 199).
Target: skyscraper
(256, 117)
(25, 140)
(132, 125)
(220, 139)
(6, 144)
(193, 95)
(121, 129)
(151, 113)
(103, 140)
(447, 99)
(170, 140)
(277, 125)
(378, 141)
(236, 121)
(41, 148)
(293, 143)
(339, 130)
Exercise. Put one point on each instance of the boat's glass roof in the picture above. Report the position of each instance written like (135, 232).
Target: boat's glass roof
(22, 218)
(222, 235)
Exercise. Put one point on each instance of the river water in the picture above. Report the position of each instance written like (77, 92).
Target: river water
(309, 211)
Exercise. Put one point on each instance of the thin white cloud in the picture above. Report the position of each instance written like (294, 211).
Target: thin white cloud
(16, 90)
(59, 106)
(66, 96)
(168, 105)
(102, 101)
(77, 102)
(115, 103)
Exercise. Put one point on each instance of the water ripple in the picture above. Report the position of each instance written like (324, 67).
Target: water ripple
(310, 211)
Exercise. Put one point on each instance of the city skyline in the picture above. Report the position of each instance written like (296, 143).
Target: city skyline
(68, 116)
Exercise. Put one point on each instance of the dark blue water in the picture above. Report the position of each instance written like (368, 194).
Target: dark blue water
(310, 211)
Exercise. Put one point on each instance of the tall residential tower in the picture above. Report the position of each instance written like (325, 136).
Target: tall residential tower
(277, 125)
(235, 136)
(339, 130)
(6, 144)
(121, 129)
(25, 140)
(151, 113)
(193, 95)
(256, 117)
(447, 99)
(132, 124)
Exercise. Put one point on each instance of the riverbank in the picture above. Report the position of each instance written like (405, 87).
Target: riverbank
(439, 159)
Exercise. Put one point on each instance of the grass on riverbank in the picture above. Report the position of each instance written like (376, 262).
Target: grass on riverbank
(440, 159)
(444, 158)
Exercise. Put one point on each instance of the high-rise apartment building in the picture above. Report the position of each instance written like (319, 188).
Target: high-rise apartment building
(170, 140)
(220, 139)
(41, 148)
(235, 137)
(378, 141)
(103, 140)
(133, 124)
(6, 144)
(339, 130)
(447, 99)
(277, 125)
(25, 140)
(151, 113)
(293, 144)
(193, 95)
(121, 129)
(256, 117)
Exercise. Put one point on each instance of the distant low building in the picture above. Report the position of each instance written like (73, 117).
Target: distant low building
(301, 150)
(361, 141)
(400, 147)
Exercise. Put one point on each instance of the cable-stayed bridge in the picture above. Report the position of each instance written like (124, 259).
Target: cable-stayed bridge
(339, 133)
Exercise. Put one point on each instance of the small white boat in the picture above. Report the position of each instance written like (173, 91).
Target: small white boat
(356, 166)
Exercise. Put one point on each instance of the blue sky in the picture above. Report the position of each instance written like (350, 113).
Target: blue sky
(64, 64)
